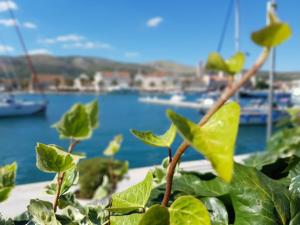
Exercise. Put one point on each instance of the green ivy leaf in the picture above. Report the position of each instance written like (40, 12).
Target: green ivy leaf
(42, 213)
(7, 180)
(191, 184)
(103, 190)
(70, 178)
(217, 211)
(52, 159)
(295, 186)
(135, 196)
(231, 66)
(92, 109)
(187, 210)
(257, 199)
(4, 221)
(216, 139)
(149, 138)
(236, 63)
(75, 124)
(156, 215)
(272, 35)
(4, 193)
(132, 219)
(114, 146)
(215, 62)
(8, 175)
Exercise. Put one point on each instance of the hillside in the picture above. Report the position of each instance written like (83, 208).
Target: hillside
(71, 66)
(74, 65)
(171, 66)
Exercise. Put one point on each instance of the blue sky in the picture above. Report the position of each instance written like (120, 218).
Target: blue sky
(143, 31)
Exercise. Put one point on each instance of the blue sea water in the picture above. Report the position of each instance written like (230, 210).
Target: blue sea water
(118, 113)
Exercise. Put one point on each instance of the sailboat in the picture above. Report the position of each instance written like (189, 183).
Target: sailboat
(10, 105)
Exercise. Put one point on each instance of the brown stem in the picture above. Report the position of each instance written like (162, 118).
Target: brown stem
(61, 176)
(229, 92)
(170, 154)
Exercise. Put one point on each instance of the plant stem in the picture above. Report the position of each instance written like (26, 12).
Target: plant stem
(60, 176)
(170, 154)
(229, 92)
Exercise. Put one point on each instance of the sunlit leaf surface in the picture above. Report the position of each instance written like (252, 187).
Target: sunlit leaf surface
(114, 146)
(75, 124)
(272, 35)
(188, 210)
(216, 139)
(52, 159)
(149, 138)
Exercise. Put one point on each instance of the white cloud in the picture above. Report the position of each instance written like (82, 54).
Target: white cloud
(63, 38)
(6, 5)
(6, 48)
(8, 22)
(29, 25)
(39, 51)
(155, 21)
(131, 54)
(69, 38)
(88, 45)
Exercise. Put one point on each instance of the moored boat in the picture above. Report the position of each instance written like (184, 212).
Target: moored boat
(11, 107)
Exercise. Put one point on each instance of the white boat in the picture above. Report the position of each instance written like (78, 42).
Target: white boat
(175, 100)
(10, 107)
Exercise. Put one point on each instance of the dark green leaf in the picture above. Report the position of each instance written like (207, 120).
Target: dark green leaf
(156, 215)
(191, 184)
(258, 199)
(92, 109)
(7, 180)
(295, 186)
(4, 221)
(4, 193)
(217, 211)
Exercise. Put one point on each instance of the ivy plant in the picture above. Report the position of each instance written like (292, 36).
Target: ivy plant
(7, 180)
(236, 194)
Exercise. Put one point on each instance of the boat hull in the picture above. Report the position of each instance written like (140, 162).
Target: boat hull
(22, 109)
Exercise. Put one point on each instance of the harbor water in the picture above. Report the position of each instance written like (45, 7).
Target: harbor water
(118, 114)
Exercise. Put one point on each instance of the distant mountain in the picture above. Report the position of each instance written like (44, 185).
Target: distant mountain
(74, 65)
(71, 66)
(172, 66)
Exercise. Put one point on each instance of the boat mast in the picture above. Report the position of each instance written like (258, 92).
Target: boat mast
(237, 36)
(271, 7)
(34, 78)
(237, 25)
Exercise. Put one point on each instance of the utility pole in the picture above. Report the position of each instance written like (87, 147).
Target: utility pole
(271, 7)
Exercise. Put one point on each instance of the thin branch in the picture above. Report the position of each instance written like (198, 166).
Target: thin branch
(228, 93)
(61, 176)
(170, 154)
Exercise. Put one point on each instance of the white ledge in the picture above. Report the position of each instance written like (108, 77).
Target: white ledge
(21, 194)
